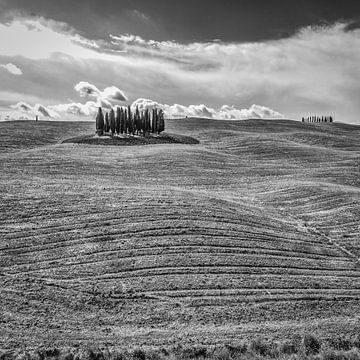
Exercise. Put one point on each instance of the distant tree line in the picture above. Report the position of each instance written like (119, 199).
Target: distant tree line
(312, 119)
(124, 121)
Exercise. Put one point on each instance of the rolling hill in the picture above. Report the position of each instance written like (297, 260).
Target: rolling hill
(252, 232)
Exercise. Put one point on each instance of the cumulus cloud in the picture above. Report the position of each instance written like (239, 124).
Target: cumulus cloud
(202, 111)
(174, 111)
(114, 93)
(22, 106)
(86, 89)
(89, 108)
(11, 68)
(314, 71)
(36, 110)
(104, 98)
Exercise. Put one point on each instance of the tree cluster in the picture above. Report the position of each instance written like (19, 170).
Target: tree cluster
(312, 119)
(124, 121)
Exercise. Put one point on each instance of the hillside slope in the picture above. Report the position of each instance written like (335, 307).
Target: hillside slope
(254, 231)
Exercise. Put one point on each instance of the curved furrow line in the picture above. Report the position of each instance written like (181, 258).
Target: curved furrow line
(252, 292)
(156, 250)
(128, 268)
(182, 231)
(219, 281)
(99, 222)
(169, 246)
(216, 270)
(222, 301)
(127, 217)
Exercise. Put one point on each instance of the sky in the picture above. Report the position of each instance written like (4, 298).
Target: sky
(230, 59)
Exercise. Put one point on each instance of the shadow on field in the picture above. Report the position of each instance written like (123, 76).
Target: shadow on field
(126, 140)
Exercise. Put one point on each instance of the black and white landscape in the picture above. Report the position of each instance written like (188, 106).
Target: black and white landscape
(179, 180)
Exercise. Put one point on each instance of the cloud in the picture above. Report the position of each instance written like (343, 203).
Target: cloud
(313, 71)
(202, 111)
(89, 108)
(105, 97)
(86, 89)
(11, 68)
(174, 111)
(45, 111)
(38, 38)
(114, 93)
(36, 110)
(22, 106)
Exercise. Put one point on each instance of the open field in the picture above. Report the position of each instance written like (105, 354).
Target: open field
(252, 232)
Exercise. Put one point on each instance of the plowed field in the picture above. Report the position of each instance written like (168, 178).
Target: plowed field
(253, 231)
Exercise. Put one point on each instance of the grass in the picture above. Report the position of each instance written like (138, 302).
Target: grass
(251, 233)
(307, 347)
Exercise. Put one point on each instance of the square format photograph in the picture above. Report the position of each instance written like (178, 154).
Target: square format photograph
(179, 180)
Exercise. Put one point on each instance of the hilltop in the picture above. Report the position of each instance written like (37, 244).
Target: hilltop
(252, 232)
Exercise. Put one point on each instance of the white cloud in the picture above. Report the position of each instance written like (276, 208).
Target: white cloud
(104, 98)
(36, 110)
(42, 110)
(202, 111)
(22, 106)
(27, 37)
(11, 68)
(86, 89)
(314, 71)
(89, 108)
(114, 93)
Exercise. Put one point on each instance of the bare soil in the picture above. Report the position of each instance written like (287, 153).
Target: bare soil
(252, 232)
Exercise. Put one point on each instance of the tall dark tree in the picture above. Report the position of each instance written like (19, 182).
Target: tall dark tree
(125, 121)
(122, 121)
(161, 122)
(100, 122)
(112, 121)
(137, 120)
(129, 121)
(148, 121)
(142, 120)
(153, 120)
(117, 120)
(107, 123)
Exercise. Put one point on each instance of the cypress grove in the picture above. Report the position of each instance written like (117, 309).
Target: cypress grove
(124, 121)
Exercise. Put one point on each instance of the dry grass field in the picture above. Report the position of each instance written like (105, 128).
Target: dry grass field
(252, 232)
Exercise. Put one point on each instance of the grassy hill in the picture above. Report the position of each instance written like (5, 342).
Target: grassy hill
(252, 232)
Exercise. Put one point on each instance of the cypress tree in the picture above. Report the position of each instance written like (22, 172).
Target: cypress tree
(137, 120)
(112, 121)
(153, 124)
(107, 125)
(156, 121)
(100, 122)
(125, 121)
(129, 120)
(161, 123)
(117, 120)
(146, 121)
(122, 121)
(142, 118)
